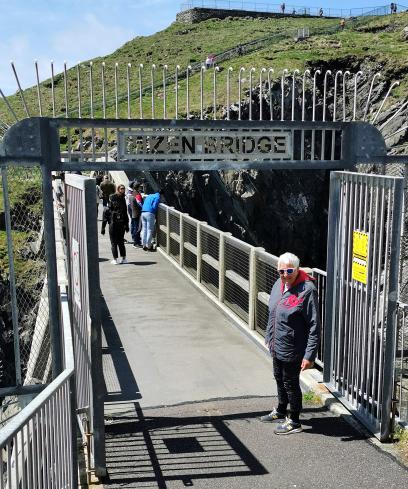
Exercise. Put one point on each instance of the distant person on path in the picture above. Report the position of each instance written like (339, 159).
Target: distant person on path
(342, 24)
(292, 335)
(108, 188)
(115, 214)
(149, 211)
(321, 12)
(98, 197)
(283, 6)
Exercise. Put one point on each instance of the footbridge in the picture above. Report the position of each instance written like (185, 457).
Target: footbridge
(159, 364)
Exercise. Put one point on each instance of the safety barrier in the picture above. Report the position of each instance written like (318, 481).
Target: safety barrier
(241, 276)
(238, 275)
(289, 9)
(38, 444)
(401, 364)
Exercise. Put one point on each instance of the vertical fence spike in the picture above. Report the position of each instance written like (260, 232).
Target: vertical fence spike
(270, 73)
(216, 70)
(317, 72)
(306, 72)
(295, 72)
(326, 75)
(152, 73)
(356, 77)
(38, 88)
(140, 91)
(230, 70)
(395, 84)
(177, 72)
(241, 70)
(52, 88)
(10, 108)
(128, 75)
(262, 71)
(377, 75)
(284, 73)
(202, 69)
(338, 73)
(188, 70)
(345, 75)
(251, 71)
(164, 91)
(20, 91)
(116, 92)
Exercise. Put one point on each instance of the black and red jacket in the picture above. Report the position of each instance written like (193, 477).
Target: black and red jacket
(293, 330)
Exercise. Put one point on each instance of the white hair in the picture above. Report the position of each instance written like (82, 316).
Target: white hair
(290, 259)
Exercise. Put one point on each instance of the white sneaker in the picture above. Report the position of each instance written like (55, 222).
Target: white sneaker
(115, 261)
(124, 260)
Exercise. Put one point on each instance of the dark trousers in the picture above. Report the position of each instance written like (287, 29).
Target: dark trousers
(116, 235)
(289, 392)
(134, 230)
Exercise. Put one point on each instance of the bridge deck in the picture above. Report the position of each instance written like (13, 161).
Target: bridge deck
(180, 347)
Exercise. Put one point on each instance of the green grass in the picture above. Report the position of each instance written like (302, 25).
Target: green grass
(311, 398)
(376, 39)
(401, 438)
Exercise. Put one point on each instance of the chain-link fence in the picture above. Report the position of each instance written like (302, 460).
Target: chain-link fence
(24, 338)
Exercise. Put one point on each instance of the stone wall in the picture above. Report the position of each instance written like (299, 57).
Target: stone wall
(195, 15)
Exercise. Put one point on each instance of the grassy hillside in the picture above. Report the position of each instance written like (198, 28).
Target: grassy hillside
(375, 40)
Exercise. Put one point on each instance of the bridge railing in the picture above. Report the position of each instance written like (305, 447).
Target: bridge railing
(289, 9)
(401, 363)
(37, 444)
(241, 276)
(234, 273)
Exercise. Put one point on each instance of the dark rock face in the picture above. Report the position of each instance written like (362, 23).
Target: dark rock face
(285, 210)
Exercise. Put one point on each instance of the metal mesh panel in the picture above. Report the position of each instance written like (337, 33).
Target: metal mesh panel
(161, 221)
(237, 290)
(210, 244)
(401, 363)
(23, 197)
(190, 237)
(209, 278)
(174, 224)
(266, 276)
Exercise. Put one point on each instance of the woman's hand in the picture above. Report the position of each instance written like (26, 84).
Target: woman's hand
(306, 364)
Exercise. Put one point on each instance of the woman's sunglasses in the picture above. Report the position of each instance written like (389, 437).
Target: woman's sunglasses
(289, 271)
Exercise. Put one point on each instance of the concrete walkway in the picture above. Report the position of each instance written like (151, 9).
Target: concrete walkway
(185, 390)
(179, 346)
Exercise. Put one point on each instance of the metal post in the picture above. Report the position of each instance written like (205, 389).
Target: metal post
(253, 289)
(392, 309)
(332, 261)
(181, 241)
(199, 251)
(52, 279)
(98, 385)
(12, 277)
(168, 230)
(221, 266)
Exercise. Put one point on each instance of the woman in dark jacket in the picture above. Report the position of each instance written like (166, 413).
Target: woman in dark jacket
(116, 216)
(292, 335)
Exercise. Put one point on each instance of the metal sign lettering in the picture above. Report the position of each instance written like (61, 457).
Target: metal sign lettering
(211, 144)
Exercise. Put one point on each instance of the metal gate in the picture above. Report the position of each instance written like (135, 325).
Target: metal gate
(82, 242)
(362, 290)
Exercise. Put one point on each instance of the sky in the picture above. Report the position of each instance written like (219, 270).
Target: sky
(77, 30)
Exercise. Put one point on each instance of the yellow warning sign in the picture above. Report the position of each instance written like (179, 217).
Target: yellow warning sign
(360, 256)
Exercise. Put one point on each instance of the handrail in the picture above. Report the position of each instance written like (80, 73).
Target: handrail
(23, 417)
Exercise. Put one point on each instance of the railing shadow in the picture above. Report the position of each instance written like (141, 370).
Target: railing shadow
(159, 449)
(120, 382)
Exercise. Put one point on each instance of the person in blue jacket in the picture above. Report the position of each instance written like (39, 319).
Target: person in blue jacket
(149, 211)
(292, 336)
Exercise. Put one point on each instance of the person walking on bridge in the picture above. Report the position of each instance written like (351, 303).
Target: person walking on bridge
(107, 188)
(149, 211)
(292, 335)
(116, 216)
